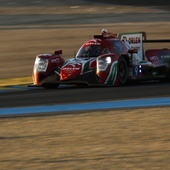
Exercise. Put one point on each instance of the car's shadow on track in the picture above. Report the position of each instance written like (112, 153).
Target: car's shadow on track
(131, 87)
(74, 94)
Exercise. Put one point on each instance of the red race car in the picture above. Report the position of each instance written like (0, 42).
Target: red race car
(107, 60)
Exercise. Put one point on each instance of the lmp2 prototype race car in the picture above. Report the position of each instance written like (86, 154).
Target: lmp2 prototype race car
(107, 60)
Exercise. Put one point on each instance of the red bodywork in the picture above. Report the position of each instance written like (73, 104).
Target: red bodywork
(107, 59)
(158, 56)
(54, 61)
(70, 71)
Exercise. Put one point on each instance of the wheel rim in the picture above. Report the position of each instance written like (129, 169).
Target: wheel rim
(122, 71)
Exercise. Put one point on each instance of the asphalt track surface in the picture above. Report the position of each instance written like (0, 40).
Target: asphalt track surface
(39, 96)
(23, 96)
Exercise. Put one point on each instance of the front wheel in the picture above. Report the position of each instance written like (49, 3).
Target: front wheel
(122, 71)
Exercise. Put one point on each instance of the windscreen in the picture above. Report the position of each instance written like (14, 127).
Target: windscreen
(91, 51)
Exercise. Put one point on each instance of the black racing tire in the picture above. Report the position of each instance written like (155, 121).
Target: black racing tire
(122, 71)
(50, 85)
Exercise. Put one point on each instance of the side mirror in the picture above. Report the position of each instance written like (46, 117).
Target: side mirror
(132, 51)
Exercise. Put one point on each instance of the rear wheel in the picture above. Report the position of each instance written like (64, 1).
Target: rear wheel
(122, 71)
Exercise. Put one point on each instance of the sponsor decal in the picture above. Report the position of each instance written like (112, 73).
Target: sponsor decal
(70, 68)
(135, 71)
(165, 56)
(153, 58)
(86, 65)
(77, 64)
(55, 60)
(112, 74)
(131, 39)
(94, 42)
(134, 41)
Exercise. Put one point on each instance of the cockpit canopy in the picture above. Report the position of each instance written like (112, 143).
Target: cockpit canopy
(91, 51)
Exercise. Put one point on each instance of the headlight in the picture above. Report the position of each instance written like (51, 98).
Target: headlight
(102, 63)
(108, 60)
(40, 65)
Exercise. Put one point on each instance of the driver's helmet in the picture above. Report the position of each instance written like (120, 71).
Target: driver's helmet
(104, 30)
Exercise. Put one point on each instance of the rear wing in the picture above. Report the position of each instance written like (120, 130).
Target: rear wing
(157, 41)
(135, 40)
(144, 39)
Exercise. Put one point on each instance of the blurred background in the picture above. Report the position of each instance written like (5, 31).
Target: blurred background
(28, 28)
